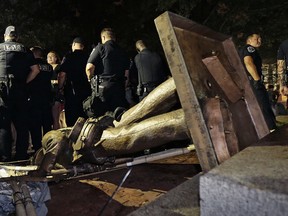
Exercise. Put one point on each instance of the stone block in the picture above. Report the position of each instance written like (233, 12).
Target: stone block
(253, 182)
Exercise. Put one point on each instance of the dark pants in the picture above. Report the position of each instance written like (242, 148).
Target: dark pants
(264, 103)
(74, 107)
(146, 91)
(35, 120)
(5, 125)
(46, 118)
(5, 133)
(18, 107)
(112, 95)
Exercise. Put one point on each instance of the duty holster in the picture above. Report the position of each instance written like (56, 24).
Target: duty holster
(97, 88)
(101, 92)
(100, 84)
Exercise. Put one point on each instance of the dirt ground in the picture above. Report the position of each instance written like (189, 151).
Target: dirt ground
(91, 195)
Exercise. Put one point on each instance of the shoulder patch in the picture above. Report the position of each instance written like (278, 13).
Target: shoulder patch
(251, 49)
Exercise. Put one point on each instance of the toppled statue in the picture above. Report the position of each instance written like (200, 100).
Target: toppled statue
(156, 120)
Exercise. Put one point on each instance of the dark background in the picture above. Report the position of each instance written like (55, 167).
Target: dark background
(53, 24)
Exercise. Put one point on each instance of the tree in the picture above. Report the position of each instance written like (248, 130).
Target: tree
(53, 24)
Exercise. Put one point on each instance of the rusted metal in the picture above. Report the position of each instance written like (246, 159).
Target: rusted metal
(205, 64)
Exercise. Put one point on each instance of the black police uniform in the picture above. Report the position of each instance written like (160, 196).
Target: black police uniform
(77, 87)
(40, 103)
(258, 86)
(15, 62)
(131, 89)
(110, 64)
(150, 72)
(282, 53)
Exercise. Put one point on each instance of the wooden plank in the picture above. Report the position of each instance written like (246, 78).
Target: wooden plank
(186, 44)
(214, 121)
(187, 96)
(223, 79)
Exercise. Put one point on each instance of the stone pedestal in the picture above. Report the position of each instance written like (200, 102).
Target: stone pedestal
(253, 182)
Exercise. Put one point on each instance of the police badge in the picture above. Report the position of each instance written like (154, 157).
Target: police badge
(250, 49)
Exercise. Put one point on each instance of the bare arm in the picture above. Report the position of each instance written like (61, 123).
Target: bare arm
(280, 71)
(90, 68)
(33, 73)
(251, 68)
(282, 77)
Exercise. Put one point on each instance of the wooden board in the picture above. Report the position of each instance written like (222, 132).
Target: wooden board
(205, 64)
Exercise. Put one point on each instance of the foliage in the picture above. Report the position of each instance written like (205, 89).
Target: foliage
(268, 17)
(238, 18)
(53, 24)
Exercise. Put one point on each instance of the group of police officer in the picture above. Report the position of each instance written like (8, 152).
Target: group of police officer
(107, 70)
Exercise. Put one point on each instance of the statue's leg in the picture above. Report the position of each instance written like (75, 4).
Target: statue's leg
(159, 101)
(149, 133)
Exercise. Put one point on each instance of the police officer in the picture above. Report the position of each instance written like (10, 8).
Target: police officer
(150, 69)
(40, 99)
(111, 65)
(253, 65)
(73, 83)
(17, 68)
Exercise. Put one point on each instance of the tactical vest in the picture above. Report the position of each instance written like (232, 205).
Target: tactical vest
(13, 60)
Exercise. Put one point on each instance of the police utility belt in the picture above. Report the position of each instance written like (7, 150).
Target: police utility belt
(108, 78)
(148, 87)
(98, 79)
(100, 84)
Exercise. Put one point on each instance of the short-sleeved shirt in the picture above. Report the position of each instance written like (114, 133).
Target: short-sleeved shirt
(55, 72)
(74, 65)
(109, 59)
(15, 59)
(282, 53)
(249, 50)
(150, 67)
(40, 87)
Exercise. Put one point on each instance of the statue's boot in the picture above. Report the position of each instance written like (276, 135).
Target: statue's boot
(54, 143)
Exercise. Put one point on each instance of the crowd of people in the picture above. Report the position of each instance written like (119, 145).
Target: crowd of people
(40, 93)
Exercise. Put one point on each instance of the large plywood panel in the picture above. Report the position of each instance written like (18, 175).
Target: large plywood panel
(205, 65)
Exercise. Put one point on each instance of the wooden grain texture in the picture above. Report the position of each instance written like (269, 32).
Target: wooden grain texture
(186, 45)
